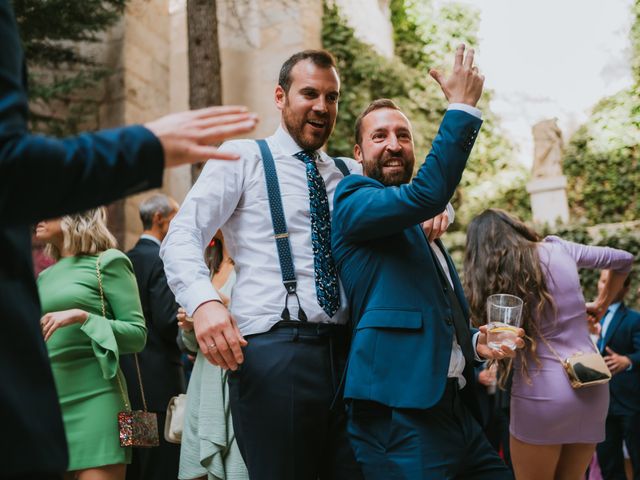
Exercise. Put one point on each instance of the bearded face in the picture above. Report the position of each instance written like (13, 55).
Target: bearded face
(310, 107)
(386, 149)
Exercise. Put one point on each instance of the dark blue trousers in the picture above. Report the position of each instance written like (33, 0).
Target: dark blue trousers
(610, 456)
(286, 422)
(443, 442)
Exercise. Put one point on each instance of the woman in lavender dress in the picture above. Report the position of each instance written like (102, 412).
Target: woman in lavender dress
(554, 428)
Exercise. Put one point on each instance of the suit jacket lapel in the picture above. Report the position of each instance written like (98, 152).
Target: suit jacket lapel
(615, 323)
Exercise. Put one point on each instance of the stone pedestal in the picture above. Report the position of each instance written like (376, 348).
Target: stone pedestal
(549, 200)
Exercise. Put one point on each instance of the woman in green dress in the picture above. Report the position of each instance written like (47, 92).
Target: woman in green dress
(83, 345)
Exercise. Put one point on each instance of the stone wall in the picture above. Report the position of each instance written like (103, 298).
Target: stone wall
(256, 36)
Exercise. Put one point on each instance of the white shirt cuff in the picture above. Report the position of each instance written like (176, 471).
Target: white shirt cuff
(201, 291)
(466, 108)
(474, 342)
(451, 213)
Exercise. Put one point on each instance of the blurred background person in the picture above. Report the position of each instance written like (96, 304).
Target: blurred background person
(160, 361)
(83, 345)
(554, 428)
(620, 345)
(209, 449)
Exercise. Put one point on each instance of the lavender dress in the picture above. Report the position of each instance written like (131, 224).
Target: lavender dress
(547, 410)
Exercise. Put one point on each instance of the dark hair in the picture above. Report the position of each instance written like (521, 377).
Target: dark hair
(627, 281)
(375, 105)
(320, 58)
(501, 256)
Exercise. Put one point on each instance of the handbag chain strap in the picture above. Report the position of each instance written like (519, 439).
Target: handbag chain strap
(553, 350)
(135, 356)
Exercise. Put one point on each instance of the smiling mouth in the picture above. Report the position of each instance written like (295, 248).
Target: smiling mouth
(316, 124)
(393, 164)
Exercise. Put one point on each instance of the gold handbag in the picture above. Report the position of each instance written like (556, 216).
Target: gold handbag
(583, 369)
(137, 428)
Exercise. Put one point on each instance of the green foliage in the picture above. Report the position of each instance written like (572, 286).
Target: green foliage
(602, 163)
(425, 38)
(602, 159)
(59, 74)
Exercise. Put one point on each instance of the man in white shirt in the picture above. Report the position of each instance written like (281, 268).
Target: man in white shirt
(287, 420)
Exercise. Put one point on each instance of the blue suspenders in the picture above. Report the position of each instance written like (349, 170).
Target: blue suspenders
(280, 232)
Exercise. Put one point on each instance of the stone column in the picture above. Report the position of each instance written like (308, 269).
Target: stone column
(548, 187)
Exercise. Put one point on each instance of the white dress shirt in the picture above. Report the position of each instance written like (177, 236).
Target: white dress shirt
(232, 196)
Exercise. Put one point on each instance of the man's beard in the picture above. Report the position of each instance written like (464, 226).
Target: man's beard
(295, 126)
(374, 170)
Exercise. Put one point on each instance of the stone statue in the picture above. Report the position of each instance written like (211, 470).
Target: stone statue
(547, 149)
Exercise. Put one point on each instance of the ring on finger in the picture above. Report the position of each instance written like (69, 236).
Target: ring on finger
(211, 347)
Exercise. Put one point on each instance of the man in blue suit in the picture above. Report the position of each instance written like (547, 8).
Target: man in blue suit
(40, 178)
(620, 344)
(412, 352)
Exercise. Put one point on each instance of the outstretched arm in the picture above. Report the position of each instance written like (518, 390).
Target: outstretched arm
(364, 208)
(42, 177)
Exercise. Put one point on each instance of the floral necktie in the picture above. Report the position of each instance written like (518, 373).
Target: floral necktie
(326, 277)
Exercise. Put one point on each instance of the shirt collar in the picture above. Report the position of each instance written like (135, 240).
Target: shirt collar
(288, 145)
(613, 308)
(145, 236)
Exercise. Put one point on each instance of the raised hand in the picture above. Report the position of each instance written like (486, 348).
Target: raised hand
(465, 83)
(218, 335)
(187, 137)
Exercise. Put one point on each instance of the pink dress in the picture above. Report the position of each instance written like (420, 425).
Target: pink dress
(547, 411)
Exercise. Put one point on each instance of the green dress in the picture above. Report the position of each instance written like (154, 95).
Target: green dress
(84, 357)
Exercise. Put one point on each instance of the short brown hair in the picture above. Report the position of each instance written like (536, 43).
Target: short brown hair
(320, 58)
(375, 105)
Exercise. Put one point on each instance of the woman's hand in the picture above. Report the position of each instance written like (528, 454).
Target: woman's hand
(184, 321)
(55, 320)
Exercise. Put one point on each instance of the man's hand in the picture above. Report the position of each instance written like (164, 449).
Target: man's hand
(616, 363)
(484, 351)
(55, 320)
(187, 137)
(218, 335)
(464, 85)
(436, 226)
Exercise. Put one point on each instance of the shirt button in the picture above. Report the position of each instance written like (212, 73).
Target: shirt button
(449, 321)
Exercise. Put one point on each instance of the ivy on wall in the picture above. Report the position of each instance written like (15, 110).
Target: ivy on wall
(602, 159)
(424, 38)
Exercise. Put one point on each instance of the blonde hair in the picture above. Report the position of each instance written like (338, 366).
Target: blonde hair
(84, 233)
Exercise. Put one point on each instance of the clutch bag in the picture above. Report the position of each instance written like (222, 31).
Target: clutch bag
(585, 370)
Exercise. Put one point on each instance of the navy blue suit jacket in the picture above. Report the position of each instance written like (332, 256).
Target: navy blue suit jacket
(403, 320)
(160, 361)
(43, 178)
(623, 337)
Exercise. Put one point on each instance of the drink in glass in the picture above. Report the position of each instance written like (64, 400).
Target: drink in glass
(504, 313)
